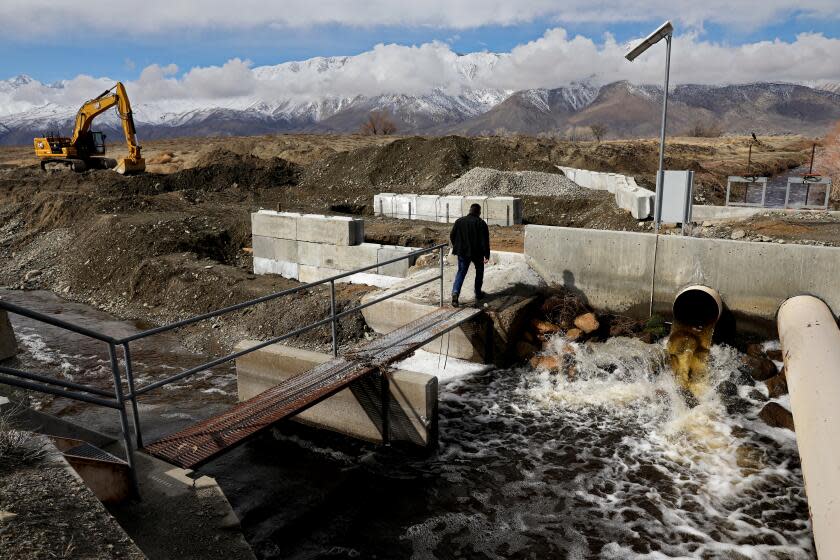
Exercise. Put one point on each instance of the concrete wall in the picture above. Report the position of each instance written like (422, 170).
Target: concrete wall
(309, 248)
(704, 212)
(496, 210)
(613, 269)
(628, 195)
(8, 345)
(354, 411)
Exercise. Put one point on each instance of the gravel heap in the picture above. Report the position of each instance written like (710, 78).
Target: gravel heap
(491, 182)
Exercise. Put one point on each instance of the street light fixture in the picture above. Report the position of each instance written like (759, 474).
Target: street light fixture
(665, 31)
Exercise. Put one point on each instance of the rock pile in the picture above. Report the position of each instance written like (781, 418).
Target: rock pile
(491, 182)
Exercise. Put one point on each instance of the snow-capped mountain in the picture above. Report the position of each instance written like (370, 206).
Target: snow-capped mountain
(336, 94)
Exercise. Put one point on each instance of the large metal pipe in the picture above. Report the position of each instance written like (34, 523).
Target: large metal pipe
(811, 348)
(697, 306)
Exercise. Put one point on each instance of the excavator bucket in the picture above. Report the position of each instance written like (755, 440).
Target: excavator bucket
(127, 166)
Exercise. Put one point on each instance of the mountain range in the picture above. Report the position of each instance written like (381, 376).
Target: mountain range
(467, 107)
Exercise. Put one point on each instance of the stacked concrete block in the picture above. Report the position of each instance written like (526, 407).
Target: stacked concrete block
(503, 211)
(628, 195)
(383, 205)
(310, 248)
(399, 268)
(426, 207)
(470, 200)
(449, 208)
(405, 206)
(335, 230)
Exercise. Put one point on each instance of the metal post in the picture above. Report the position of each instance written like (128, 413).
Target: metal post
(118, 393)
(441, 276)
(447, 212)
(386, 407)
(333, 322)
(660, 176)
(129, 374)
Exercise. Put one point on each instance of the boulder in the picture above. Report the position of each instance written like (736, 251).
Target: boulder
(776, 415)
(756, 350)
(777, 385)
(587, 323)
(574, 334)
(545, 327)
(8, 346)
(760, 369)
(551, 363)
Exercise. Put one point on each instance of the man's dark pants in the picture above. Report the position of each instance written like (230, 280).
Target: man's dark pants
(463, 267)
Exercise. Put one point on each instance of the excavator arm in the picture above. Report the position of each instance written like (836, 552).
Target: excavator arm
(115, 96)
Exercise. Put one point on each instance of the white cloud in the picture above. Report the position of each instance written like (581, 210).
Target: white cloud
(553, 60)
(31, 19)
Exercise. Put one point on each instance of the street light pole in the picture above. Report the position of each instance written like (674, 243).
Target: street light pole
(665, 31)
(660, 175)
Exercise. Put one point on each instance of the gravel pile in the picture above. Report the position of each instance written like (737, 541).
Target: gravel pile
(491, 182)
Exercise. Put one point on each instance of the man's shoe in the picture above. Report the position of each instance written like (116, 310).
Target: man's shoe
(455, 300)
(480, 295)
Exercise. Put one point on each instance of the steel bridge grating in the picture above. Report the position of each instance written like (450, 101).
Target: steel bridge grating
(201, 442)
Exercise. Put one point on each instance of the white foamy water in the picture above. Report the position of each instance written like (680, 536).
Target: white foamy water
(613, 464)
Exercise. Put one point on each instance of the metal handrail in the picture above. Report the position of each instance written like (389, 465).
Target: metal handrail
(41, 383)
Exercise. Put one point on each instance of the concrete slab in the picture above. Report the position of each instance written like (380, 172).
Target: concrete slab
(280, 225)
(275, 249)
(283, 268)
(354, 411)
(309, 274)
(333, 230)
(337, 257)
(503, 211)
(449, 208)
(8, 344)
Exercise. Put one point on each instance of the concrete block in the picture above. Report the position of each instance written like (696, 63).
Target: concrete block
(426, 207)
(8, 345)
(405, 206)
(274, 248)
(503, 211)
(399, 268)
(280, 225)
(449, 208)
(636, 200)
(338, 257)
(383, 205)
(334, 230)
(354, 411)
(470, 200)
(285, 269)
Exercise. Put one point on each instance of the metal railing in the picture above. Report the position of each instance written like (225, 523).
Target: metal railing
(116, 398)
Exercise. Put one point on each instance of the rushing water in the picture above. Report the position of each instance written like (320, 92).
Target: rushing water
(610, 464)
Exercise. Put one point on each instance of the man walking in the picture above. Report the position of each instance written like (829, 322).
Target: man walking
(470, 240)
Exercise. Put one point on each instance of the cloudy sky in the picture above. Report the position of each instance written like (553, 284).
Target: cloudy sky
(171, 49)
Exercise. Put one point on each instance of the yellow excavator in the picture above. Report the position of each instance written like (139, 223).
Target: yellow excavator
(86, 148)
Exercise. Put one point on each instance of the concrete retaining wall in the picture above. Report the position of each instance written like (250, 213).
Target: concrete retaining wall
(628, 195)
(8, 345)
(355, 411)
(705, 212)
(496, 210)
(310, 248)
(613, 269)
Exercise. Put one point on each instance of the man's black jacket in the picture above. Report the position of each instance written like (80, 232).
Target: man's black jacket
(470, 237)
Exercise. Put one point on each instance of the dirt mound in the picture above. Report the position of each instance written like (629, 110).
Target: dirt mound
(419, 164)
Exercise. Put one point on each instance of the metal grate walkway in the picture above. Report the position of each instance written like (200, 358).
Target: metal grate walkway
(201, 442)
